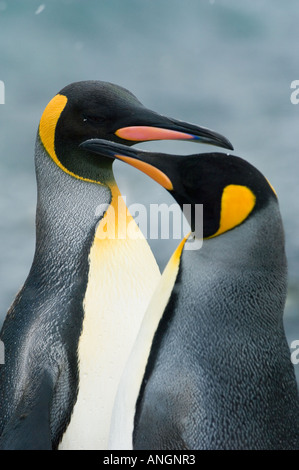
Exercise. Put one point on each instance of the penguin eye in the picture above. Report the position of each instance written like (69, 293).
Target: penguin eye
(93, 119)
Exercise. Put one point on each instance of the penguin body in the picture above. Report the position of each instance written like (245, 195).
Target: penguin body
(214, 380)
(43, 326)
(215, 371)
(73, 323)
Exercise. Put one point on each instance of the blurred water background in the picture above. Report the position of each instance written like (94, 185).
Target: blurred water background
(223, 64)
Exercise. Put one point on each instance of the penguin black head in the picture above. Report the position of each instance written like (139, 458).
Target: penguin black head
(94, 109)
(230, 188)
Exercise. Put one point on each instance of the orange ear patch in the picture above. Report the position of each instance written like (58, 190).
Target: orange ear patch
(47, 128)
(48, 123)
(236, 204)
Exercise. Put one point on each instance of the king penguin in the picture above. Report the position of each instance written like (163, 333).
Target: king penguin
(72, 325)
(211, 368)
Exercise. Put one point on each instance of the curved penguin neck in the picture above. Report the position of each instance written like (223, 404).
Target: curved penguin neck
(66, 216)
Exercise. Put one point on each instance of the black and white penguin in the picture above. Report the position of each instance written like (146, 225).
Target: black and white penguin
(72, 325)
(211, 368)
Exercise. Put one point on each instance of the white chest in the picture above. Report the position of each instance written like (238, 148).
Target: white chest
(123, 275)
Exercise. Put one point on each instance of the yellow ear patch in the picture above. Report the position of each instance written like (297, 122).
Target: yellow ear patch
(47, 127)
(48, 123)
(236, 204)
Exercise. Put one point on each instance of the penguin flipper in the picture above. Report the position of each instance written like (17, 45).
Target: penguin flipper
(29, 427)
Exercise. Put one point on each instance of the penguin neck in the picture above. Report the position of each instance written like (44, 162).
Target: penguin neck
(68, 210)
(242, 284)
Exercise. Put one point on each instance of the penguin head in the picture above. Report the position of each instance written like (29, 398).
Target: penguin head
(100, 110)
(230, 189)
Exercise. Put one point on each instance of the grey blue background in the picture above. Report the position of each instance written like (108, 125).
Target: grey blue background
(224, 64)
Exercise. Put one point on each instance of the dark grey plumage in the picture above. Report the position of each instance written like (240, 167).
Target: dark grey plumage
(42, 328)
(219, 375)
